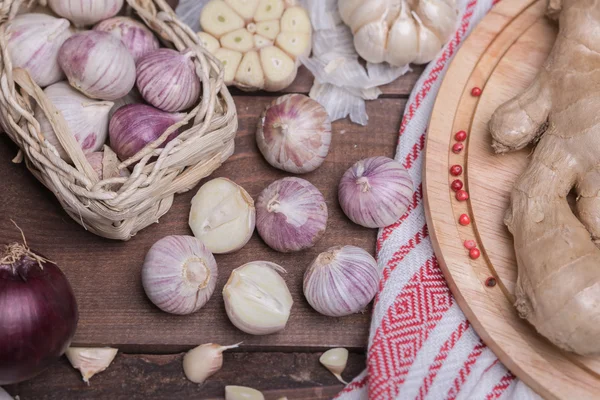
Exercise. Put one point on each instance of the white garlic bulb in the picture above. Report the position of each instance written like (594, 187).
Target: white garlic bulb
(259, 42)
(33, 42)
(257, 300)
(242, 393)
(399, 31)
(98, 64)
(222, 216)
(86, 12)
(204, 360)
(335, 361)
(87, 119)
(341, 281)
(90, 361)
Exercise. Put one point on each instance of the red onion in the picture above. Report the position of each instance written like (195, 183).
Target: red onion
(134, 126)
(38, 313)
(138, 39)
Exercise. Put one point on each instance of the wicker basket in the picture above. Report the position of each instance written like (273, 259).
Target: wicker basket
(117, 208)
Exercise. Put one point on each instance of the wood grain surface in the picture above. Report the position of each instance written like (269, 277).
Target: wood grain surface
(502, 56)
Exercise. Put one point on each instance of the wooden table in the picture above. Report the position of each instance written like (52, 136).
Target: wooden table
(105, 279)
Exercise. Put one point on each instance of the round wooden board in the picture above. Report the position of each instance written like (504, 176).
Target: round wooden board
(501, 56)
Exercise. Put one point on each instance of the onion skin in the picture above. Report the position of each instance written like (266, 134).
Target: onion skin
(375, 192)
(138, 39)
(167, 79)
(39, 318)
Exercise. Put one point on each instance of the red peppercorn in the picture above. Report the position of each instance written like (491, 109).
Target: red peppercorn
(455, 170)
(464, 220)
(474, 253)
(461, 136)
(462, 195)
(476, 92)
(456, 185)
(470, 244)
(457, 148)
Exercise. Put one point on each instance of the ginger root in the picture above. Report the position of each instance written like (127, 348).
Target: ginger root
(558, 285)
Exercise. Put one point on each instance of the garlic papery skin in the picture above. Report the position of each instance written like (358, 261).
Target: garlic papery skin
(294, 134)
(291, 215)
(204, 360)
(97, 64)
(167, 79)
(341, 281)
(138, 39)
(132, 97)
(86, 12)
(222, 216)
(375, 192)
(242, 393)
(105, 164)
(179, 274)
(87, 119)
(335, 361)
(33, 42)
(257, 300)
(134, 126)
(90, 361)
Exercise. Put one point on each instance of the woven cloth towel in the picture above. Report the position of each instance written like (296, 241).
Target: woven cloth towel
(421, 346)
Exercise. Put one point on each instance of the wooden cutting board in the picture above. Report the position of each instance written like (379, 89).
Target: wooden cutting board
(501, 56)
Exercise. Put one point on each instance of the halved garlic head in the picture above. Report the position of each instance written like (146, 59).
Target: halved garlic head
(259, 42)
(399, 31)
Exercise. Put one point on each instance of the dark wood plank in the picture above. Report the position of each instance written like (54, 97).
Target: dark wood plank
(148, 377)
(105, 274)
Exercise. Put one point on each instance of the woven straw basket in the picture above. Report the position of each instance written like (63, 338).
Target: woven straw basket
(117, 208)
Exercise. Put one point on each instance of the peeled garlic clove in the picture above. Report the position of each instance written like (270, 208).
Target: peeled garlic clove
(279, 69)
(135, 126)
(33, 42)
(87, 119)
(203, 361)
(209, 42)
(222, 216)
(86, 12)
(429, 43)
(341, 281)
(370, 41)
(375, 192)
(167, 79)
(268, 10)
(439, 17)
(242, 393)
(335, 361)
(97, 64)
(217, 18)
(294, 134)
(90, 361)
(138, 39)
(257, 300)
(179, 274)
(291, 215)
(245, 8)
(403, 41)
(231, 61)
(268, 29)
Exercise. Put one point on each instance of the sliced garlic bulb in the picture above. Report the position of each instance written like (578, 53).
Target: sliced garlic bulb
(259, 42)
(399, 31)
(90, 361)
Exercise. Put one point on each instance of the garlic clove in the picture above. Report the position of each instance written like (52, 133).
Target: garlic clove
(90, 361)
(261, 41)
(295, 20)
(268, 10)
(403, 40)
(257, 300)
(439, 17)
(346, 9)
(209, 42)
(429, 43)
(250, 74)
(217, 18)
(204, 361)
(279, 69)
(295, 44)
(86, 12)
(367, 12)
(242, 393)
(268, 29)
(222, 216)
(231, 61)
(370, 41)
(240, 40)
(245, 8)
(4, 395)
(138, 39)
(335, 361)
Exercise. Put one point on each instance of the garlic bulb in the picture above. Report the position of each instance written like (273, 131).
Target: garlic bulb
(87, 119)
(90, 361)
(138, 39)
(97, 64)
(132, 97)
(259, 42)
(106, 163)
(86, 12)
(291, 215)
(341, 281)
(375, 192)
(222, 216)
(242, 393)
(167, 79)
(33, 42)
(4, 395)
(179, 274)
(294, 134)
(135, 126)
(257, 300)
(204, 360)
(399, 31)
(335, 361)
